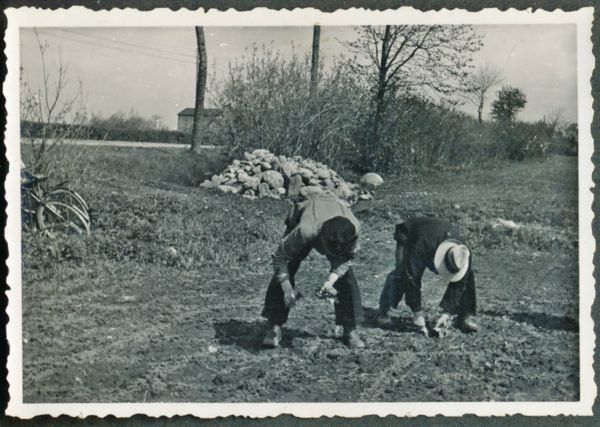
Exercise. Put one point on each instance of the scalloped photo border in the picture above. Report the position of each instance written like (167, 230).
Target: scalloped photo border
(82, 17)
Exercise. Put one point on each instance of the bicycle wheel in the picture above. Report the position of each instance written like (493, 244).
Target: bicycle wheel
(57, 216)
(70, 197)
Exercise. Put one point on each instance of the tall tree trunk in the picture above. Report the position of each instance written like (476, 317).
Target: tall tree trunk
(374, 134)
(200, 89)
(482, 92)
(314, 66)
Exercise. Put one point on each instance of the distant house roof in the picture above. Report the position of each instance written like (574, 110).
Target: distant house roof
(190, 111)
(187, 112)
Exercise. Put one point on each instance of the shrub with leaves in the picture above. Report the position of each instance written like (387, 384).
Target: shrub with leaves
(420, 134)
(524, 140)
(265, 102)
(565, 140)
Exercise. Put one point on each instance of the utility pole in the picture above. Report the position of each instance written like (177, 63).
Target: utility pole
(200, 89)
(314, 66)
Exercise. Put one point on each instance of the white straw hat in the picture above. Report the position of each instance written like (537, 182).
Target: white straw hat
(451, 260)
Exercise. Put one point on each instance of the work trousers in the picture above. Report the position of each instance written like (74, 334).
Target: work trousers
(459, 297)
(348, 307)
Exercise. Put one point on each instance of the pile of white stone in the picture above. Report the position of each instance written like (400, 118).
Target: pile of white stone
(262, 174)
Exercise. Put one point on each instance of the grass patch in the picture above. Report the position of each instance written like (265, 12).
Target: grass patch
(145, 203)
(170, 166)
(85, 166)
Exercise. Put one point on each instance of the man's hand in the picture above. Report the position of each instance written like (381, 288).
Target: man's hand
(327, 290)
(419, 322)
(289, 295)
(441, 323)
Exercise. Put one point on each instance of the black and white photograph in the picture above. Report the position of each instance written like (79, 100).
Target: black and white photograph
(267, 212)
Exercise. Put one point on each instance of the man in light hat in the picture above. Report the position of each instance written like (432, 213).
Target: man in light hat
(328, 226)
(435, 244)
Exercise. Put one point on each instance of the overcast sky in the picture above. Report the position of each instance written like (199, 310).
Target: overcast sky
(152, 70)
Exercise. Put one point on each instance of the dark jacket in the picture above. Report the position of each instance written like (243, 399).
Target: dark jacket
(420, 237)
(304, 224)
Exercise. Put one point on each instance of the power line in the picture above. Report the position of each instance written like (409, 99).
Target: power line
(220, 68)
(122, 49)
(125, 43)
(112, 47)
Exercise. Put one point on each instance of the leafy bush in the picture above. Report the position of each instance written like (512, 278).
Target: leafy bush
(523, 140)
(565, 140)
(418, 134)
(265, 102)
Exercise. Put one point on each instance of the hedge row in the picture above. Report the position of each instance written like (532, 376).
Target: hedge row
(56, 130)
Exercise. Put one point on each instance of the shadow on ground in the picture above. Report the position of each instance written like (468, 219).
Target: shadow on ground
(248, 335)
(539, 320)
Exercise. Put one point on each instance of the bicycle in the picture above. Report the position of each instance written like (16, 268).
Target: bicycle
(57, 209)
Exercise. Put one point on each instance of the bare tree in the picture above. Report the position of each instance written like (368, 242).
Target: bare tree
(410, 58)
(482, 80)
(200, 90)
(314, 65)
(51, 113)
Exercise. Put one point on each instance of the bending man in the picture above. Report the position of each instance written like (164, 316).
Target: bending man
(328, 226)
(434, 244)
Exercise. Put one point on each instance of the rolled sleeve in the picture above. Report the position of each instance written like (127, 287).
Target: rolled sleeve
(340, 268)
(341, 265)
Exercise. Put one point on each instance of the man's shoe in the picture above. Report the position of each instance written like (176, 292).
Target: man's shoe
(273, 337)
(384, 320)
(352, 340)
(466, 324)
